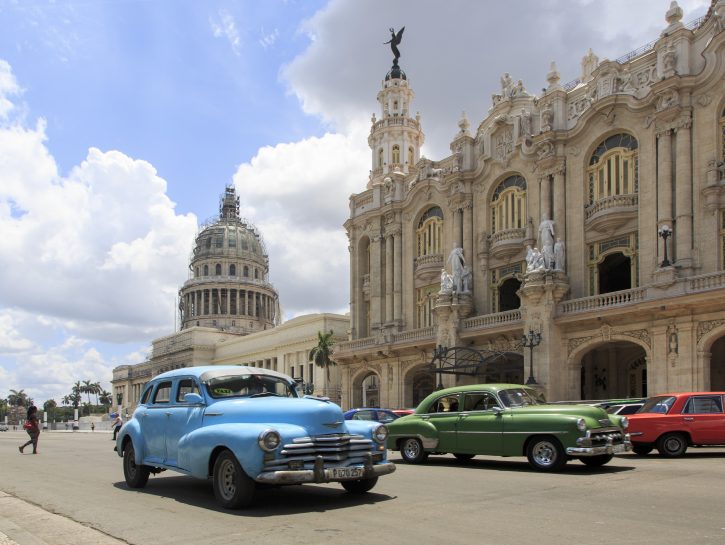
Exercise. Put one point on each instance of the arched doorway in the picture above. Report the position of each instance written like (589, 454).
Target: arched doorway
(717, 365)
(366, 390)
(423, 386)
(615, 273)
(614, 370)
(508, 298)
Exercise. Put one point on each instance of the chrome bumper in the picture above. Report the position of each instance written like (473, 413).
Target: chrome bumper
(597, 451)
(320, 474)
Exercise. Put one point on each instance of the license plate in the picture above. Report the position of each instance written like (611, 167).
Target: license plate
(346, 472)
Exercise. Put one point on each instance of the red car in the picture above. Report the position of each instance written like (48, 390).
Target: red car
(672, 422)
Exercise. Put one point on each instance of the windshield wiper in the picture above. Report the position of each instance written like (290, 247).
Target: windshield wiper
(264, 394)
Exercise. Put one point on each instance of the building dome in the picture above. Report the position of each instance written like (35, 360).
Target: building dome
(228, 288)
(396, 72)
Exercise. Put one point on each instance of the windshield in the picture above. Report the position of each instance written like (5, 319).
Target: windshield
(249, 386)
(518, 397)
(661, 405)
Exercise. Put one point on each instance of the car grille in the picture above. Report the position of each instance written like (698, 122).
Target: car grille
(335, 449)
(604, 436)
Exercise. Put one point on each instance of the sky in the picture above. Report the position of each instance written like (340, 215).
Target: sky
(121, 122)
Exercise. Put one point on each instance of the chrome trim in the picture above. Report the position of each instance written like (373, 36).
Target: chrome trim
(597, 451)
(320, 474)
(428, 442)
(636, 433)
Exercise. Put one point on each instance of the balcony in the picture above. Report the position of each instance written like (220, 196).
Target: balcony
(610, 213)
(428, 266)
(507, 243)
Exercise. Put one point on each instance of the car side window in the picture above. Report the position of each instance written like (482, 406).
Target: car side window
(704, 405)
(163, 392)
(446, 404)
(479, 401)
(186, 386)
(145, 395)
(363, 415)
(384, 417)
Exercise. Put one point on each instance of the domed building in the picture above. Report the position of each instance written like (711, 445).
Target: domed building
(228, 288)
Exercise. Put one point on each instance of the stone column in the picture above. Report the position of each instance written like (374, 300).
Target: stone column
(355, 292)
(560, 203)
(664, 187)
(457, 227)
(375, 283)
(683, 188)
(468, 234)
(544, 205)
(398, 276)
(388, 278)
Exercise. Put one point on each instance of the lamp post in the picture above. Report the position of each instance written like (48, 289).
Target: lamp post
(119, 401)
(530, 340)
(665, 232)
(438, 354)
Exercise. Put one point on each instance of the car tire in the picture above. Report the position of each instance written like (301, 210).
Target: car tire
(545, 453)
(411, 450)
(641, 450)
(463, 457)
(359, 486)
(232, 486)
(672, 445)
(597, 461)
(136, 475)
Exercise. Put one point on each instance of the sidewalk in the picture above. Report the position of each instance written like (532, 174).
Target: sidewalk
(22, 523)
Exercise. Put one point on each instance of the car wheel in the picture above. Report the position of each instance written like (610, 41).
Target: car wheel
(232, 487)
(641, 450)
(463, 457)
(136, 475)
(360, 486)
(672, 445)
(597, 461)
(546, 454)
(411, 449)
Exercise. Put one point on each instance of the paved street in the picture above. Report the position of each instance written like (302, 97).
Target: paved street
(77, 478)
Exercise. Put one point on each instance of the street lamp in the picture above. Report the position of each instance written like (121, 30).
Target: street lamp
(665, 232)
(119, 398)
(438, 354)
(530, 340)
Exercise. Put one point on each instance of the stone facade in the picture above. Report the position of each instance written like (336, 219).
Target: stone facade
(626, 161)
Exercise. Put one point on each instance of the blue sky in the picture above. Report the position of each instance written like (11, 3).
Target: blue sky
(121, 121)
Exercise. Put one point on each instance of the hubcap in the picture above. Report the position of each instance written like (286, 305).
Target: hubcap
(544, 454)
(227, 481)
(672, 444)
(411, 448)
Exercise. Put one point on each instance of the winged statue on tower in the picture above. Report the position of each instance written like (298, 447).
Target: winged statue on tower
(394, 42)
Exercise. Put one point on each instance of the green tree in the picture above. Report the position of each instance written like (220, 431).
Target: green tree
(96, 387)
(322, 353)
(106, 399)
(18, 398)
(49, 407)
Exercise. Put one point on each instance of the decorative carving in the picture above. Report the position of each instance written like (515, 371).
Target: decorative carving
(641, 334)
(606, 332)
(667, 99)
(575, 343)
(504, 144)
(703, 100)
(547, 118)
(525, 123)
(545, 149)
(704, 328)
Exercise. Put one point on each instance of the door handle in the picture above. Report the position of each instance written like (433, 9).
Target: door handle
(168, 413)
(213, 414)
(689, 419)
(425, 417)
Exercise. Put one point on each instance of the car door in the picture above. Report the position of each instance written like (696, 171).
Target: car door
(444, 415)
(704, 419)
(182, 418)
(153, 424)
(480, 428)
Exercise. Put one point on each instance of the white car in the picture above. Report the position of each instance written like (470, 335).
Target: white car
(3, 427)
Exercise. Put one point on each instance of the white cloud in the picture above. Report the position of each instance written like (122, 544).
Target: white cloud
(224, 26)
(268, 39)
(8, 87)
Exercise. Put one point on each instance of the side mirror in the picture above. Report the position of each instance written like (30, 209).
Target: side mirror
(193, 399)
(497, 410)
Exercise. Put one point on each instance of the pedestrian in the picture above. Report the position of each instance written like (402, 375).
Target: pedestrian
(31, 426)
(93, 426)
(117, 426)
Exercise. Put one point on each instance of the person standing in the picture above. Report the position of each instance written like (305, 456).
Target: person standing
(33, 429)
(117, 426)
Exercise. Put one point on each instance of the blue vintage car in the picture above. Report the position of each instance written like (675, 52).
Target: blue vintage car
(244, 425)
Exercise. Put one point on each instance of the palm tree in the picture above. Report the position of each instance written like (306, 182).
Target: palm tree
(75, 395)
(96, 390)
(321, 354)
(66, 400)
(49, 406)
(87, 388)
(106, 399)
(18, 398)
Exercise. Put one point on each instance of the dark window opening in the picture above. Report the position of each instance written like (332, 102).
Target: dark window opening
(615, 273)
(508, 299)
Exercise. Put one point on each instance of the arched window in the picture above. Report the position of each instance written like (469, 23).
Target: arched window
(396, 154)
(380, 158)
(196, 271)
(411, 156)
(232, 270)
(614, 168)
(426, 297)
(256, 274)
(246, 271)
(429, 233)
(508, 205)
(218, 269)
(206, 270)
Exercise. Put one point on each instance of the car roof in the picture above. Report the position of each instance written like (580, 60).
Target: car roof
(690, 394)
(208, 372)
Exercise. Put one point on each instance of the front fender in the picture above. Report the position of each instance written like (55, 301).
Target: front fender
(131, 430)
(196, 448)
(361, 427)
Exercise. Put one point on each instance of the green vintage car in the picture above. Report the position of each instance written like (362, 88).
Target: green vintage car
(507, 420)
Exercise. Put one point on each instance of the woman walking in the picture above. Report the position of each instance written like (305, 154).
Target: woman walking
(33, 429)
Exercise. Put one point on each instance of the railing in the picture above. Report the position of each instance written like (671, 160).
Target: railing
(433, 259)
(234, 279)
(364, 199)
(506, 235)
(611, 202)
(607, 300)
(707, 281)
(397, 120)
(356, 344)
(415, 334)
(492, 320)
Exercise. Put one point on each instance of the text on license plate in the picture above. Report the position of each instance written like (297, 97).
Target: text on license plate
(346, 472)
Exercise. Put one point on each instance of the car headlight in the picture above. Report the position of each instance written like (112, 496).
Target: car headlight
(624, 422)
(269, 440)
(581, 424)
(380, 434)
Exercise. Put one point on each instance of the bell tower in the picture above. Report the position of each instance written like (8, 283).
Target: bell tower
(395, 139)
